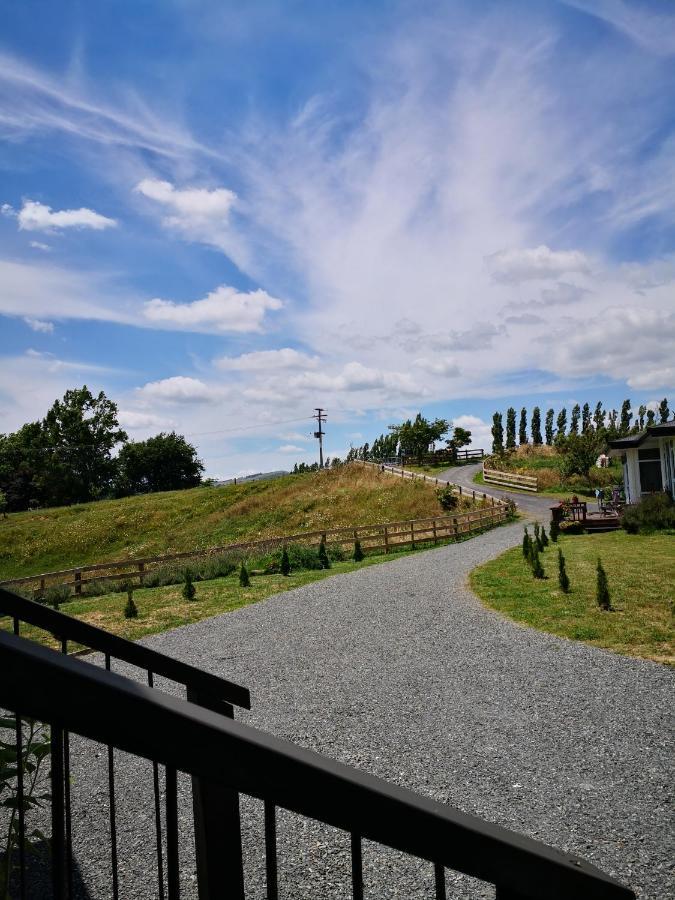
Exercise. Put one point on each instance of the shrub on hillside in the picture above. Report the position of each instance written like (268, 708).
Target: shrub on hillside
(447, 497)
(358, 552)
(654, 513)
(244, 579)
(130, 608)
(189, 590)
(56, 595)
(285, 565)
(323, 554)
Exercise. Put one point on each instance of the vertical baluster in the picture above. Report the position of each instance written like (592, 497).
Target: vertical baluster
(19, 792)
(357, 868)
(58, 814)
(66, 792)
(113, 812)
(271, 850)
(439, 878)
(158, 815)
(172, 866)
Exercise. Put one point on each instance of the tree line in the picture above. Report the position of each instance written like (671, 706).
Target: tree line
(605, 424)
(70, 456)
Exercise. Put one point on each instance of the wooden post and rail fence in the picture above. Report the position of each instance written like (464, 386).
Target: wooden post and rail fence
(510, 479)
(387, 537)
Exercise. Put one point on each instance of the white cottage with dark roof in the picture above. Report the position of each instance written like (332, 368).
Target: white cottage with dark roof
(648, 461)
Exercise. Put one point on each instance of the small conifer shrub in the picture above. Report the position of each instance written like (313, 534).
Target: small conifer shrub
(537, 537)
(285, 566)
(527, 544)
(130, 608)
(537, 568)
(189, 590)
(554, 531)
(358, 552)
(563, 578)
(323, 554)
(602, 597)
(544, 537)
(244, 579)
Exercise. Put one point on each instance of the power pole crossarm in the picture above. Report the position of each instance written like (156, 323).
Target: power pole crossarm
(321, 418)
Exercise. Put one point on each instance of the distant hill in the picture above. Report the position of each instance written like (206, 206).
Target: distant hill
(153, 524)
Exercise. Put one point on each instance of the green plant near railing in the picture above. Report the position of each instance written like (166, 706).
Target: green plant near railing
(29, 759)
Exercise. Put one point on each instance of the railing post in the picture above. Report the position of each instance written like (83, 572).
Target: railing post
(220, 869)
(386, 539)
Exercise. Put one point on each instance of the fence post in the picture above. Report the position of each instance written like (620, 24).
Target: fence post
(460, 490)
(435, 541)
(412, 533)
(473, 496)
(454, 528)
(78, 582)
(386, 539)
(220, 869)
(141, 572)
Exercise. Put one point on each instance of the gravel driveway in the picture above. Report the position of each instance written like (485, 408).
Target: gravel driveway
(399, 670)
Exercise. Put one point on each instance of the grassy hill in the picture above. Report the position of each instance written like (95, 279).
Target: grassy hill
(153, 524)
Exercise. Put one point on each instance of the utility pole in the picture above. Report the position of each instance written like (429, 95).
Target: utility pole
(321, 418)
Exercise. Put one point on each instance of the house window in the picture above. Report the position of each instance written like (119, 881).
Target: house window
(650, 470)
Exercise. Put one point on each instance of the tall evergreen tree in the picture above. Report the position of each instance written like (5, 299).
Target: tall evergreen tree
(497, 433)
(549, 426)
(510, 428)
(651, 416)
(585, 419)
(612, 423)
(574, 421)
(664, 412)
(626, 415)
(642, 412)
(536, 426)
(522, 427)
(599, 417)
(561, 424)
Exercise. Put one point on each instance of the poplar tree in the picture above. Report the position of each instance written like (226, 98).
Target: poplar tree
(585, 419)
(510, 428)
(497, 433)
(536, 426)
(626, 415)
(599, 417)
(574, 421)
(549, 427)
(651, 415)
(642, 412)
(664, 412)
(561, 423)
(522, 427)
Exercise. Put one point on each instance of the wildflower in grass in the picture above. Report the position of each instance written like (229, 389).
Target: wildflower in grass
(563, 578)
(189, 590)
(602, 597)
(244, 579)
(285, 566)
(358, 552)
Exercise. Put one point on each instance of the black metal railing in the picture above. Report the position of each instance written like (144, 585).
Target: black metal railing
(202, 688)
(228, 758)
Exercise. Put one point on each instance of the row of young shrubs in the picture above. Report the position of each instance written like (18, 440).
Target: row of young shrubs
(533, 546)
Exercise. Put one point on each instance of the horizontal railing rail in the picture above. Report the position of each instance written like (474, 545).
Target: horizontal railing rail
(510, 479)
(387, 535)
(102, 706)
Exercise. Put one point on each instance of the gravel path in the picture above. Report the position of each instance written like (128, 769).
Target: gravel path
(399, 670)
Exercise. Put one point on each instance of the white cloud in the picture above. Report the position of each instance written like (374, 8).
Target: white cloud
(268, 360)
(132, 419)
(38, 245)
(481, 435)
(654, 32)
(535, 264)
(446, 367)
(653, 378)
(223, 310)
(291, 448)
(199, 214)
(35, 216)
(179, 389)
(39, 325)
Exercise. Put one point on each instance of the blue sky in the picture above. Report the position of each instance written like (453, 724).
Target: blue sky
(226, 214)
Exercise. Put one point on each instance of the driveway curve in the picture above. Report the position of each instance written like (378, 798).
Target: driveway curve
(399, 670)
(537, 507)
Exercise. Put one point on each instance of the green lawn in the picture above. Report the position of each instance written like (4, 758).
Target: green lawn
(641, 575)
(163, 608)
(154, 524)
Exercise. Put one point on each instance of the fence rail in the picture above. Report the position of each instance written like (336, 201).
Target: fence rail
(387, 536)
(510, 479)
(227, 758)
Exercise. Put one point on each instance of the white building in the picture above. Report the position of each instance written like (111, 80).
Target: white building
(648, 461)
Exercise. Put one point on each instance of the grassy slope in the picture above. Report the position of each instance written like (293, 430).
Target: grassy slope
(51, 539)
(542, 461)
(641, 575)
